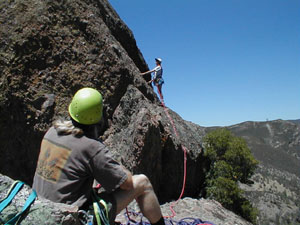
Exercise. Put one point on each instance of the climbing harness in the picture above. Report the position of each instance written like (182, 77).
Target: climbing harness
(14, 189)
(98, 215)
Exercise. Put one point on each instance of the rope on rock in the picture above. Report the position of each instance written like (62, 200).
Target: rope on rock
(184, 152)
(140, 220)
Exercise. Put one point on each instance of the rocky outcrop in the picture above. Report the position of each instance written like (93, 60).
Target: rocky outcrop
(187, 210)
(43, 211)
(50, 49)
(143, 139)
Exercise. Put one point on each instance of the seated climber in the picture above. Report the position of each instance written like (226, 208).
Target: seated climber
(71, 158)
(157, 77)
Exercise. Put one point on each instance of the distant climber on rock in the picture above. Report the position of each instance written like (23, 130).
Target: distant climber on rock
(71, 157)
(157, 77)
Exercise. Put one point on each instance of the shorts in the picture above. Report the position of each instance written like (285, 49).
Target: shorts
(159, 82)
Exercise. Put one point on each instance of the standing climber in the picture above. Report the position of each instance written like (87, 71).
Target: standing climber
(71, 158)
(157, 77)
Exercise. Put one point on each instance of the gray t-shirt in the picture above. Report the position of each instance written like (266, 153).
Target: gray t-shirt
(68, 165)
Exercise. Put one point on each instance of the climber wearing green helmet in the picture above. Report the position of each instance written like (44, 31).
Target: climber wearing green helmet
(72, 157)
(86, 106)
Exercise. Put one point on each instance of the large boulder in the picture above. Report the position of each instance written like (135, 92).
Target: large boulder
(50, 49)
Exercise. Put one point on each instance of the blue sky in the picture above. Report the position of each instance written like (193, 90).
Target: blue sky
(224, 61)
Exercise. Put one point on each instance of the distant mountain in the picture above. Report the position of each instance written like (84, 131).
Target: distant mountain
(295, 121)
(275, 189)
(274, 143)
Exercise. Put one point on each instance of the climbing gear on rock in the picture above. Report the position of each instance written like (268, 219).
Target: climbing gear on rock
(97, 214)
(85, 218)
(13, 191)
(141, 220)
(86, 106)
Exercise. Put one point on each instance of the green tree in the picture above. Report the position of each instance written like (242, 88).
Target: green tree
(222, 145)
(240, 158)
(229, 161)
(225, 191)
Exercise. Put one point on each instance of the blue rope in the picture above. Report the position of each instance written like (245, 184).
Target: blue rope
(193, 221)
(184, 221)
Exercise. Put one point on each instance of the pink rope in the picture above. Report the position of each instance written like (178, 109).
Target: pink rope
(184, 151)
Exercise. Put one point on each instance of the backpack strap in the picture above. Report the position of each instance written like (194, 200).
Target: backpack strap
(14, 189)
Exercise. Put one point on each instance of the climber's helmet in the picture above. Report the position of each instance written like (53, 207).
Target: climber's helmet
(158, 60)
(86, 106)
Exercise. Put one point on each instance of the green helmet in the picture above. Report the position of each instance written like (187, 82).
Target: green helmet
(86, 106)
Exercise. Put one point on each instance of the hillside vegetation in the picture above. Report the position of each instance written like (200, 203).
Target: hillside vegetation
(229, 161)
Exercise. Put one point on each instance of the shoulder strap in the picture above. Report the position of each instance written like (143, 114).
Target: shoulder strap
(14, 189)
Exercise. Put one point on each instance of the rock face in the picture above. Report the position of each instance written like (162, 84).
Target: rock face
(143, 139)
(50, 49)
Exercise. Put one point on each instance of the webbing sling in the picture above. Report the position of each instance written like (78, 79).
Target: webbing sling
(27, 204)
(16, 186)
(99, 211)
(14, 189)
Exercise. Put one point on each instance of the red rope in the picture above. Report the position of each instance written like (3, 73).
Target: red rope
(184, 162)
(184, 151)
